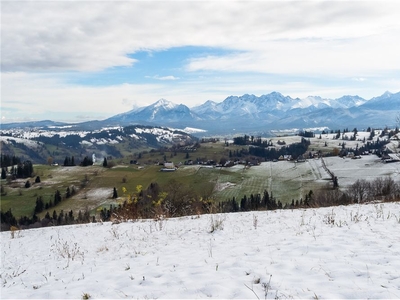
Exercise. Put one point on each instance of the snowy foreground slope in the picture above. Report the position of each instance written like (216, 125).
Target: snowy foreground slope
(340, 252)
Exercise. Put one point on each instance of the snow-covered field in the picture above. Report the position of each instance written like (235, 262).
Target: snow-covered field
(369, 167)
(339, 252)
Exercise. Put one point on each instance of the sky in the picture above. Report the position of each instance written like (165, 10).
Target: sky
(75, 61)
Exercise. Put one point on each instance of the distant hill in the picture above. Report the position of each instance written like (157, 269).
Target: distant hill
(38, 144)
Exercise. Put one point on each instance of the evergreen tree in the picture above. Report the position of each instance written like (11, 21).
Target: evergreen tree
(20, 171)
(80, 217)
(265, 199)
(105, 162)
(71, 217)
(86, 162)
(57, 197)
(61, 218)
(54, 217)
(28, 168)
(47, 216)
(243, 204)
(37, 180)
(8, 218)
(115, 195)
(372, 134)
(68, 193)
(235, 207)
(3, 173)
(39, 205)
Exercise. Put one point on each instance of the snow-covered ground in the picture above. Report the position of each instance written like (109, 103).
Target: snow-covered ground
(342, 252)
(369, 167)
(26, 142)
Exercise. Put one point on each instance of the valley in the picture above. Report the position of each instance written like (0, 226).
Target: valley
(200, 173)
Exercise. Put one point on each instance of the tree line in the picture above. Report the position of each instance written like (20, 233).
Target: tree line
(7, 160)
(54, 219)
(176, 200)
(21, 170)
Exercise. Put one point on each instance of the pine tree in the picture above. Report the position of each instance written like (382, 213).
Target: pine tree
(243, 204)
(39, 205)
(27, 168)
(57, 197)
(115, 195)
(265, 199)
(71, 217)
(235, 206)
(80, 217)
(86, 162)
(3, 173)
(61, 218)
(105, 162)
(55, 217)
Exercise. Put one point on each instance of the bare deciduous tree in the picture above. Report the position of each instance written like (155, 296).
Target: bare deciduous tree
(359, 191)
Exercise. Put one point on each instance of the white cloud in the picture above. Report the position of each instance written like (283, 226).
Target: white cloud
(360, 79)
(91, 36)
(312, 41)
(169, 77)
(318, 56)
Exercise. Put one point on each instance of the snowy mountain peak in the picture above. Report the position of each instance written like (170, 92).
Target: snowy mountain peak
(387, 94)
(273, 110)
(315, 101)
(348, 101)
(167, 105)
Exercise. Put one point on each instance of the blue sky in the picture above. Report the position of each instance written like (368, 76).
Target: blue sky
(81, 60)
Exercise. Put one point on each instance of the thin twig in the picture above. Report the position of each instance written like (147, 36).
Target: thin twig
(252, 291)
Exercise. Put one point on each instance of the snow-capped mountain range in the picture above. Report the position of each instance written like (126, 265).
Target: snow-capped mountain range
(250, 114)
(270, 111)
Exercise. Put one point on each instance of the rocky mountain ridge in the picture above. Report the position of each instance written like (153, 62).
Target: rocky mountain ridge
(250, 113)
(268, 112)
